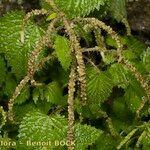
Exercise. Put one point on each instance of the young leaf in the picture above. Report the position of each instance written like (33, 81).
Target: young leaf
(17, 53)
(39, 127)
(38, 94)
(63, 51)
(53, 93)
(99, 85)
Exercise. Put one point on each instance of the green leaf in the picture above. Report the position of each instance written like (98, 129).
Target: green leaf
(44, 106)
(135, 46)
(119, 75)
(10, 85)
(129, 55)
(77, 8)
(53, 93)
(63, 51)
(85, 135)
(146, 59)
(99, 85)
(21, 110)
(83, 33)
(38, 94)
(133, 95)
(2, 70)
(109, 58)
(17, 53)
(118, 9)
(92, 110)
(105, 142)
(24, 95)
(119, 107)
(111, 42)
(145, 141)
(39, 127)
(51, 16)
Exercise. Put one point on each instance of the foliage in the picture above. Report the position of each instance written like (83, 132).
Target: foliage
(53, 129)
(11, 45)
(64, 80)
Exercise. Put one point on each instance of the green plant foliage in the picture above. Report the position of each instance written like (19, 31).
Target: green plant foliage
(53, 93)
(105, 142)
(44, 106)
(16, 52)
(88, 111)
(3, 70)
(145, 141)
(10, 85)
(135, 46)
(6, 140)
(133, 95)
(119, 75)
(118, 9)
(108, 58)
(77, 8)
(99, 85)
(24, 95)
(119, 107)
(146, 59)
(21, 110)
(49, 93)
(83, 33)
(38, 94)
(63, 51)
(50, 111)
(39, 127)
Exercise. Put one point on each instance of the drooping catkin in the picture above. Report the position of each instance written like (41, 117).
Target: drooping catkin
(15, 95)
(76, 48)
(126, 23)
(3, 120)
(79, 57)
(32, 67)
(71, 117)
(32, 62)
(97, 23)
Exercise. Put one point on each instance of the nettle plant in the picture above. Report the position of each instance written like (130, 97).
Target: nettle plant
(71, 81)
